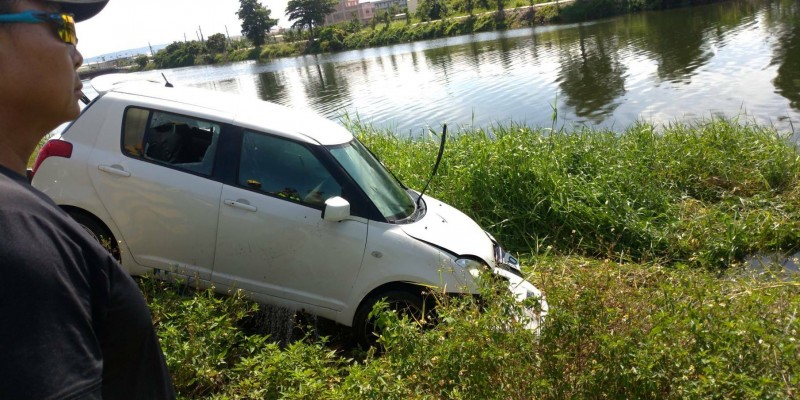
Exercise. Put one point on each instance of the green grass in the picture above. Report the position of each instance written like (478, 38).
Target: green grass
(615, 330)
(636, 238)
(705, 195)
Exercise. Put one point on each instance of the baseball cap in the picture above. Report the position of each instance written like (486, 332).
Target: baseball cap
(81, 9)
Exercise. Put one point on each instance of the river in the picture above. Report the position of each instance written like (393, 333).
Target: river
(735, 59)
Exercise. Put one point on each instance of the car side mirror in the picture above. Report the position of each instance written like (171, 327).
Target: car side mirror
(336, 209)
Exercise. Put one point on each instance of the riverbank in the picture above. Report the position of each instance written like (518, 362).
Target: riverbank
(349, 36)
(639, 238)
(704, 195)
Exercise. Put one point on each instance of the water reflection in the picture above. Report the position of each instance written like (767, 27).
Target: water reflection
(722, 59)
(787, 51)
(270, 86)
(679, 55)
(592, 76)
(774, 266)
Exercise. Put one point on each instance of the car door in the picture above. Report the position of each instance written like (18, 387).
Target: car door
(272, 239)
(155, 182)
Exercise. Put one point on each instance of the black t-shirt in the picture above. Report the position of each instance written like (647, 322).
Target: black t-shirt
(73, 324)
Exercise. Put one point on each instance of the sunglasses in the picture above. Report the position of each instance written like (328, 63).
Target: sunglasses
(63, 24)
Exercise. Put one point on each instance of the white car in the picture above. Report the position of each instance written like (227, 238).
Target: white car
(243, 194)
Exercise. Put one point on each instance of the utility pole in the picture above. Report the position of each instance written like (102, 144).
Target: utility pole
(152, 53)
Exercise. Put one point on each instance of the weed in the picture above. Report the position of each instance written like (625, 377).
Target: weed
(614, 330)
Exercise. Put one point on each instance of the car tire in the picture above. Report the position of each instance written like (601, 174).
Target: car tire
(97, 230)
(406, 302)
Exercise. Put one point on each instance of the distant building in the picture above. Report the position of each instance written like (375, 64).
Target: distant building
(347, 10)
(385, 5)
(412, 6)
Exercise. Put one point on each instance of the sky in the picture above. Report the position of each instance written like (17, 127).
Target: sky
(131, 24)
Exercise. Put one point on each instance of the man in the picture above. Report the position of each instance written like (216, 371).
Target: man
(73, 324)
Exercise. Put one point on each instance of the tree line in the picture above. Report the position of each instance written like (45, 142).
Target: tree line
(257, 22)
(307, 33)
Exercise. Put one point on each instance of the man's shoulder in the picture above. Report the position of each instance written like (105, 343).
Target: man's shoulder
(33, 225)
(16, 191)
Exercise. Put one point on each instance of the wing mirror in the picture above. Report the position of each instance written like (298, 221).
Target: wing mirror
(336, 209)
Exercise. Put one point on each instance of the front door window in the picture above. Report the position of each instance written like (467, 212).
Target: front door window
(285, 169)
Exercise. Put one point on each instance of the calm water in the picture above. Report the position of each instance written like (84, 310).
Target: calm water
(732, 58)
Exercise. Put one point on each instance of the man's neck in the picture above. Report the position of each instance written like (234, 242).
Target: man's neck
(16, 147)
(14, 164)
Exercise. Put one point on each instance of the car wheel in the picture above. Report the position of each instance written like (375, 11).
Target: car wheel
(98, 231)
(407, 303)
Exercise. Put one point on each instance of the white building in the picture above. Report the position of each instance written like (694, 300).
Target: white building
(347, 10)
(385, 5)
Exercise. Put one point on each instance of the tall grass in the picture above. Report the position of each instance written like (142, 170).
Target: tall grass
(614, 331)
(707, 194)
(580, 206)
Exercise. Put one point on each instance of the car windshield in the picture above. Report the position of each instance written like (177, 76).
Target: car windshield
(382, 188)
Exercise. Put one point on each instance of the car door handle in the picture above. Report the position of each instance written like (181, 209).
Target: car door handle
(114, 169)
(236, 204)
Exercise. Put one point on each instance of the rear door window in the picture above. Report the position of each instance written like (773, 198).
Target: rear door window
(182, 142)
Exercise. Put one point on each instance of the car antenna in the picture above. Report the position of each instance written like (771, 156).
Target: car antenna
(165, 80)
(435, 166)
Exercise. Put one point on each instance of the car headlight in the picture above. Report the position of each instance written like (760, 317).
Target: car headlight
(471, 265)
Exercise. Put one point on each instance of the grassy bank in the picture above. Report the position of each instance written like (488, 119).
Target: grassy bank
(705, 195)
(635, 237)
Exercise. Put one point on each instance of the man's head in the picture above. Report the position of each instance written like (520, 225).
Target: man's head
(38, 71)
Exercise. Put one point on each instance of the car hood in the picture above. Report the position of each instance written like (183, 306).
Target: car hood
(445, 227)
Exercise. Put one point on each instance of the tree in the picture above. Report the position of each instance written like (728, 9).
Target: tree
(256, 22)
(178, 54)
(354, 25)
(292, 35)
(141, 61)
(387, 18)
(216, 43)
(500, 6)
(432, 10)
(309, 13)
(467, 6)
(393, 10)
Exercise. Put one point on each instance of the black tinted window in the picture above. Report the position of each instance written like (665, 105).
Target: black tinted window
(184, 142)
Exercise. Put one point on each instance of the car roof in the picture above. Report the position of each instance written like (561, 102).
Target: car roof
(248, 113)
